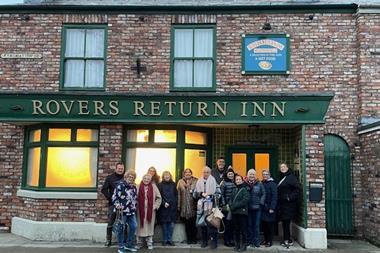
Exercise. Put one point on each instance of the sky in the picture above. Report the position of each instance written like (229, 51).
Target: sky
(11, 1)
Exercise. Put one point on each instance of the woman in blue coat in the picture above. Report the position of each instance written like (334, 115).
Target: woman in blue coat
(167, 214)
(268, 210)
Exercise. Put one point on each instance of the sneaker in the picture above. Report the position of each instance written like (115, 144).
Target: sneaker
(290, 243)
(108, 243)
(150, 247)
(131, 249)
(120, 251)
(170, 243)
(268, 244)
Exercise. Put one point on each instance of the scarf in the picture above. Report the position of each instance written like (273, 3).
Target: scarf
(187, 204)
(208, 186)
(141, 202)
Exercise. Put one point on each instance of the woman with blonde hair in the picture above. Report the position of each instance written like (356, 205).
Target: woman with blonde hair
(167, 214)
(149, 200)
(186, 204)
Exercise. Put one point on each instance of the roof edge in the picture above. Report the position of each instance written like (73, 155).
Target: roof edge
(351, 8)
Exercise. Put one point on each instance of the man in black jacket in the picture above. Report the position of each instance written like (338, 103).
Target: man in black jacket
(219, 171)
(107, 190)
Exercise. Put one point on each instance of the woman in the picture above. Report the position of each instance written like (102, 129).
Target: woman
(256, 200)
(186, 204)
(167, 214)
(155, 177)
(288, 193)
(208, 193)
(238, 206)
(125, 200)
(149, 200)
(268, 211)
(227, 187)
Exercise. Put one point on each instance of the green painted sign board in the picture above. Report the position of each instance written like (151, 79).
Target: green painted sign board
(164, 108)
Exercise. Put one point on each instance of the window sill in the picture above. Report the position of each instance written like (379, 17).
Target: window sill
(57, 195)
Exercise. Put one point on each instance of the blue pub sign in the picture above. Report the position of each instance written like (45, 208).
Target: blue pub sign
(265, 54)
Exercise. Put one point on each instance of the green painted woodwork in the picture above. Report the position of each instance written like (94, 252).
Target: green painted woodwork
(149, 108)
(338, 186)
(173, 58)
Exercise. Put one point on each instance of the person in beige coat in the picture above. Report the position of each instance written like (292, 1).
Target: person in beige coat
(149, 200)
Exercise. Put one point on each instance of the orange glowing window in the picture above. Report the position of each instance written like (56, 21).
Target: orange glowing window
(87, 135)
(165, 136)
(71, 167)
(192, 137)
(261, 163)
(140, 135)
(35, 135)
(195, 159)
(59, 134)
(33, 166)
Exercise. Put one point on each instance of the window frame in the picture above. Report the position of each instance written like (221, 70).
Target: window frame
(179, 145)
(44, 143)
(63, 58)
(173, 58)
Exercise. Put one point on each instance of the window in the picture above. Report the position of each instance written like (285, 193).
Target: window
(193, 58)
(83, 57)
(166, 149)
(61, 158)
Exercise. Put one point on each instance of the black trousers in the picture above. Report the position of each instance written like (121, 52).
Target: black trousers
(240, 229)
(286, 229)
(209, 231)
(228, 233)
(191, 229)
(268, 230)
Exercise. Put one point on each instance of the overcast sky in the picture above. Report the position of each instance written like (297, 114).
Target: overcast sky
(11, 1)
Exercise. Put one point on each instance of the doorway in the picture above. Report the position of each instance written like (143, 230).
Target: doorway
(243, 158)
(338, 186)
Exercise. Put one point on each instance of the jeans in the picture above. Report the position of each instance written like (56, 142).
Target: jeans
(167, 229)
(130, 223)
(254, 218)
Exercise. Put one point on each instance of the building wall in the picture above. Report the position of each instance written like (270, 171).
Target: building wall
(370, 178)
(326, 51)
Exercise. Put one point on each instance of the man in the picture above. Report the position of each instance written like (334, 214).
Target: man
(108, 190)
(219, 171)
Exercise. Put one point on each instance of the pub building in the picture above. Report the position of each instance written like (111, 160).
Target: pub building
(177, 84)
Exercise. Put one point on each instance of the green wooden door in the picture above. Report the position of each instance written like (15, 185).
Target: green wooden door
(338, 186)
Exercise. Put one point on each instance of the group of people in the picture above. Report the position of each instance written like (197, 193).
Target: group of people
(240, 199)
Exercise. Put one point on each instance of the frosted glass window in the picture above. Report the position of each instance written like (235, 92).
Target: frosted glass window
(59, 134)
(35, 135)
(192, 137)
(195, 159)
(165, 136)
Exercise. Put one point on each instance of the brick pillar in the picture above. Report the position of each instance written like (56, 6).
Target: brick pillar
(315, 172)
(110, 153)
(11, 143)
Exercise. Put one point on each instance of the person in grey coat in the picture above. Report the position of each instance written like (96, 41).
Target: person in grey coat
(268, 211)
(256, 201)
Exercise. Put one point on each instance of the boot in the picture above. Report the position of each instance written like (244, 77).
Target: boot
(243, 247)
(214, 242)
(204, 239)
(237, 245)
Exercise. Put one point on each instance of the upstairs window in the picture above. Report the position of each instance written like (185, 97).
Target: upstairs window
(84, 55)
(193, 58)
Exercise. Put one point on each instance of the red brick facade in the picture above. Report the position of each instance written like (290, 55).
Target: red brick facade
(329, 52)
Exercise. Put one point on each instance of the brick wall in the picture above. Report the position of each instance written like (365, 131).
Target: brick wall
(370, 143)
(11, 149)
(325, 57)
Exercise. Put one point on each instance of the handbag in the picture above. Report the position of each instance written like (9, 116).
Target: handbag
(118, 225)
(216, 219)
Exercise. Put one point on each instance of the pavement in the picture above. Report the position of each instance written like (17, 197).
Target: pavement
(10, 243)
